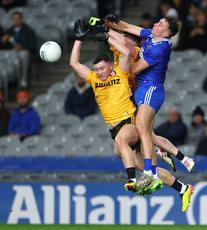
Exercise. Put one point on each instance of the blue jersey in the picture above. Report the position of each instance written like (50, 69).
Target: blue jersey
(157, 55)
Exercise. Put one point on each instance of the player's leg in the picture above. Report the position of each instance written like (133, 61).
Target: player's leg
(185, 190)
(144, 118)
(157, 183)
(126, 137)
(166, 145)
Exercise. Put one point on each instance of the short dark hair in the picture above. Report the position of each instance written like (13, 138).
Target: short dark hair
(166, 2)
(174, 25)
(132, 37)
(17, 12)
(101, 57)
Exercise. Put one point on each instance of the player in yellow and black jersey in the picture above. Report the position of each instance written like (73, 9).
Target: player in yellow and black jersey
(111, 90)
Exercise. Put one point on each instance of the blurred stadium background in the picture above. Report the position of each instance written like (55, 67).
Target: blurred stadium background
(62, 154)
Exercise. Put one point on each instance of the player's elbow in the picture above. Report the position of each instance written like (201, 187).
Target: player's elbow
(72, 63)
(133, 70)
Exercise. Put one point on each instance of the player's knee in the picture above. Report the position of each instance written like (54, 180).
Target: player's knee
(139, 128)
(120, 141)
(117, 152)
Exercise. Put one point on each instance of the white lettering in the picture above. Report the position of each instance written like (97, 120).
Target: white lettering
(24, 194)
(107, 210)
(166, 204)
(49, 204)
(80, 204)
(64, 204)
(125, 209)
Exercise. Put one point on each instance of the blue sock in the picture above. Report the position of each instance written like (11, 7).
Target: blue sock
(154, 172)
(147, 164)
(154, 169)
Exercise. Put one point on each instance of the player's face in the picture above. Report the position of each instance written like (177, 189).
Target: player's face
(23, 102)
(173, 116)
(103, 70)
(198, 119)
(160, 29)
(17, 20)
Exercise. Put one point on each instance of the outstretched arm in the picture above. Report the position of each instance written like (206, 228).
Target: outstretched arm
(126, 27)
(79, 68)
(125, 61)
(120, 38)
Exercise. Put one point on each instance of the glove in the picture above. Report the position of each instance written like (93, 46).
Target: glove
(80, 30)
(99, 29)
(96, 21)
(112, 18)
(98, 37)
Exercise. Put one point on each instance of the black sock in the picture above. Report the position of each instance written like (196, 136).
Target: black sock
(180, 155)
(177, 185)
(130, 173)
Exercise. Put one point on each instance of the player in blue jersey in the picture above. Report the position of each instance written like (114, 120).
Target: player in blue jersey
(150, 73)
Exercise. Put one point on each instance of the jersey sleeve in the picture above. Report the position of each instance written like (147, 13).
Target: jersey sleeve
(116, 54)
(145, 33)
(153, 56)
(91, 77)
(136, 57)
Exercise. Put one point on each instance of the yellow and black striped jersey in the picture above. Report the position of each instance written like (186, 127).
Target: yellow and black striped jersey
(112, 95)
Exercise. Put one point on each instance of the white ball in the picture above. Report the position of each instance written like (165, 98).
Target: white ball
(50, 51)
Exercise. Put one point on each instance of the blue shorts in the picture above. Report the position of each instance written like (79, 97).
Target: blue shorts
(152, 95)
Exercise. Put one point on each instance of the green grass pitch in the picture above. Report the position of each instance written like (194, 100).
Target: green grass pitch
(99, 227)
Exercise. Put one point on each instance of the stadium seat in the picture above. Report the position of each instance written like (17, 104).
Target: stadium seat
(59, 89)
(100, 151)
(8, 140)
(68, 120)
(34, 141)
(94, 121)
(35, 3)
(52, 130)
(58, 3)
(61, 141)
(44, 100)
(102, 132)
(49, 32)
(88, 141)
(16, 150)
(193, 54)
(80, 130)
(44, 150)
(73, 151)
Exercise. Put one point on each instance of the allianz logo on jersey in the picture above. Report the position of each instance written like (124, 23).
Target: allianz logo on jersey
(94, 203)
(112, 82)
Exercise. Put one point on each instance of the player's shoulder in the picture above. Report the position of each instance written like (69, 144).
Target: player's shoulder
(146, 33)
(164, 43)
(162, 46)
